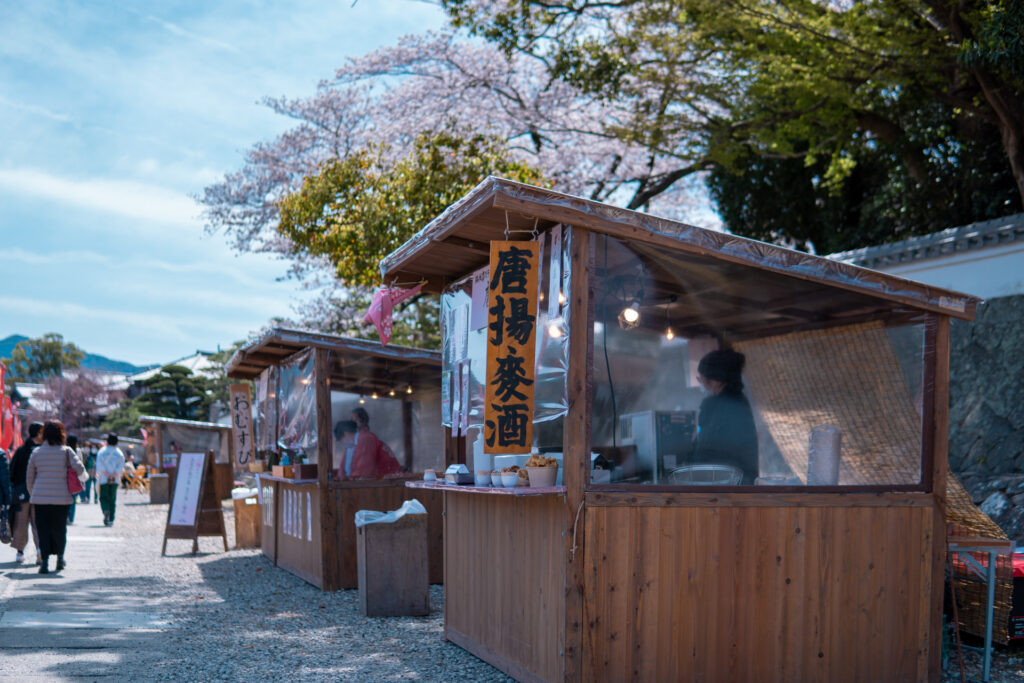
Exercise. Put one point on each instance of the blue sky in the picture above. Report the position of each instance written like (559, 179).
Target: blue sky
(111, 116)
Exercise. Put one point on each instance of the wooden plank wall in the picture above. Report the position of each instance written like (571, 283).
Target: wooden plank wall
(268, 519)
(504, 581)
(298, 531)
(758, 593)
(346, 500)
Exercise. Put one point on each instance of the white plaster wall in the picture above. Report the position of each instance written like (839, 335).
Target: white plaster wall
(987, 273)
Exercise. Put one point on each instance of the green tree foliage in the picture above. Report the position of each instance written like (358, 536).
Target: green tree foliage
(909, 89)
(789, 200)
(33, 360)
(355, 211)
(123, 419)
(175, 392)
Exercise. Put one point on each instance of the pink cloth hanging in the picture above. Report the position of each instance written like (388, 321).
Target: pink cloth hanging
(382, 308)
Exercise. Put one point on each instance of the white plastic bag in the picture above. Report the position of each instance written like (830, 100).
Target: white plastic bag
(409, 507)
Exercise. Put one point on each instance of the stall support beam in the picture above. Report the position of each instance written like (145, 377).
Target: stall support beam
(936, 415)
(329, 577)
(407, 434)
(576, 443)
(159, 448)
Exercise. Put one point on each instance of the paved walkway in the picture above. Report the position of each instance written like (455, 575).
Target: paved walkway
(84, 622)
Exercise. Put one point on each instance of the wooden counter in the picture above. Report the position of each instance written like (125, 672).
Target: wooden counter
(505, 572)
(321, 548)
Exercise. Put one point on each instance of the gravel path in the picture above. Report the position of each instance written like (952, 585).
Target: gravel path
(228, 616)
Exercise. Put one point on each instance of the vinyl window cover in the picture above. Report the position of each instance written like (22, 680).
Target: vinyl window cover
(813, 357)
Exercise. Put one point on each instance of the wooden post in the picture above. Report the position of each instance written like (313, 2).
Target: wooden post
(325, 457)
(407, 434)
(576, 443)
(937, 414)
(159, 447)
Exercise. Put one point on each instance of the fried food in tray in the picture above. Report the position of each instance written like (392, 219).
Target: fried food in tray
(538, 460)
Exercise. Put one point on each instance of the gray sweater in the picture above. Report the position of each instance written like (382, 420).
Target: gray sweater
(47, 474)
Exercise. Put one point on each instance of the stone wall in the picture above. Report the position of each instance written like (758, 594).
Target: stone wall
(986, 420)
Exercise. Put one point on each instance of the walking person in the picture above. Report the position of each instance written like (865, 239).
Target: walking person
(89, 492)
(47, 478)
(109, 466)
(23, 517)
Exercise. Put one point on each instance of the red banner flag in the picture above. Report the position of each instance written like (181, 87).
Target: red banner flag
(7, 413)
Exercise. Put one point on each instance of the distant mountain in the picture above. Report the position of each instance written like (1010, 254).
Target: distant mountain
(92, 361)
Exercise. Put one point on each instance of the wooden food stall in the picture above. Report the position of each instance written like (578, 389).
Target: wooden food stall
(169, 436)
(306, 383)
(802, 541)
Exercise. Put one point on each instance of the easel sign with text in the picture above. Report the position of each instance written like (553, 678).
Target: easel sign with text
(511, 339)
(195, 509)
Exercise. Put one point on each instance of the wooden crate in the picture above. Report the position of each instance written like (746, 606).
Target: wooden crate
(393, 568)
(247, 523)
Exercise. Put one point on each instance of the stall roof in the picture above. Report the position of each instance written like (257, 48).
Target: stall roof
(357, 365)
(195, 424)
(456, 243)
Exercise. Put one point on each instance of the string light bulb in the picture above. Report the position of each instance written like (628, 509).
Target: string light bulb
(391, 393)
(669, 334)
(374, 396)
(561, 298)
(361, 399)
(409, 389)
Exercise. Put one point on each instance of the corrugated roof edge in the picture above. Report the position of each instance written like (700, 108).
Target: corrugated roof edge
(977, 235)
(310, 338)
(609, 219)
(187, 423)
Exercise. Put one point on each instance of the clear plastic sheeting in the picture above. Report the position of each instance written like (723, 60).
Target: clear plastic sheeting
(387, 417)
(464, 347)
(409, 507)
(812, 355)
(297, 407)
(266, 410)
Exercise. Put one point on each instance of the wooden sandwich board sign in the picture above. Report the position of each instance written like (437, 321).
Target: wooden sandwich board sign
(195, 509)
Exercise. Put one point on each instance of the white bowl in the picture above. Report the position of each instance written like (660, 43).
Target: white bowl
(509, 479)
(483, 478)
(542, 476)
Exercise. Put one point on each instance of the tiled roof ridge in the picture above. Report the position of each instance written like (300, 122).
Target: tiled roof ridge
(976, 235)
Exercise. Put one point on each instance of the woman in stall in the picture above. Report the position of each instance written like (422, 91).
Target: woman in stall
(371, 457)
(725, 424)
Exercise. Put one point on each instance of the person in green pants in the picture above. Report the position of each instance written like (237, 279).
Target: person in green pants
(109, 466)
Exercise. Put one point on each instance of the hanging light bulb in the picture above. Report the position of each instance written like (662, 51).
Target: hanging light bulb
(541, 296)
(555, 329)
(629, 317)
(374, 396)
(392, 392)
(361, 399)
(561, 298)
(669, 334)
(409, 389)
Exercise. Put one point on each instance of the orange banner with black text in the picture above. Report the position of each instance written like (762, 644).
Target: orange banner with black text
(511, 340)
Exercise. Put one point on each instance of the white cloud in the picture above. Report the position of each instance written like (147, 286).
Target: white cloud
(67, 313)
(127, 198)
(179, 31)
(35, 109)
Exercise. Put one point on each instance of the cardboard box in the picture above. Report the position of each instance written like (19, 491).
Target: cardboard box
(286, 471)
